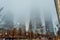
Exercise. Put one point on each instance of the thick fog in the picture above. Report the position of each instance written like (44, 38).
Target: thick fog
(21, 10)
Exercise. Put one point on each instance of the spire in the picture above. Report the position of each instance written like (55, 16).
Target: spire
(30, 26)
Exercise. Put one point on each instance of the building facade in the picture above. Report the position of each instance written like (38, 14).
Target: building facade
(36, 23)
(6, 20)
(1, 16)
(57, 4)
(49, 27)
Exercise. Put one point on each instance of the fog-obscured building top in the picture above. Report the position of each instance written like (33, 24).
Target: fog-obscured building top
(49, 24)
(6, 21)
(35, 21)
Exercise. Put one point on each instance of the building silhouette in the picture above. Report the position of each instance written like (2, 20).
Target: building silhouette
(57, 5)
(30, 27)
(49, 25)
(7, 21)
(35, 21)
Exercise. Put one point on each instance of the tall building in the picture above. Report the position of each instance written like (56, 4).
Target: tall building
(57, 4)
(35, 18)
(6, 20)
(30, 26)
(22, 26)
(1, 18)
(49, 25)
(36, 23)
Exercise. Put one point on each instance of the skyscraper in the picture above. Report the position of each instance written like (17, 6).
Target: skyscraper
(49, 25)
(1, 18)
(30, 26)
(57, 4)
(35, 17)
(6, 21)
(36, 23)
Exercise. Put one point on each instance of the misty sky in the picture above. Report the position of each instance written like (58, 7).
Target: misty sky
(21, 9)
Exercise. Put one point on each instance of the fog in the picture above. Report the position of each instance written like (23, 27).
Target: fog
(21, 10)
